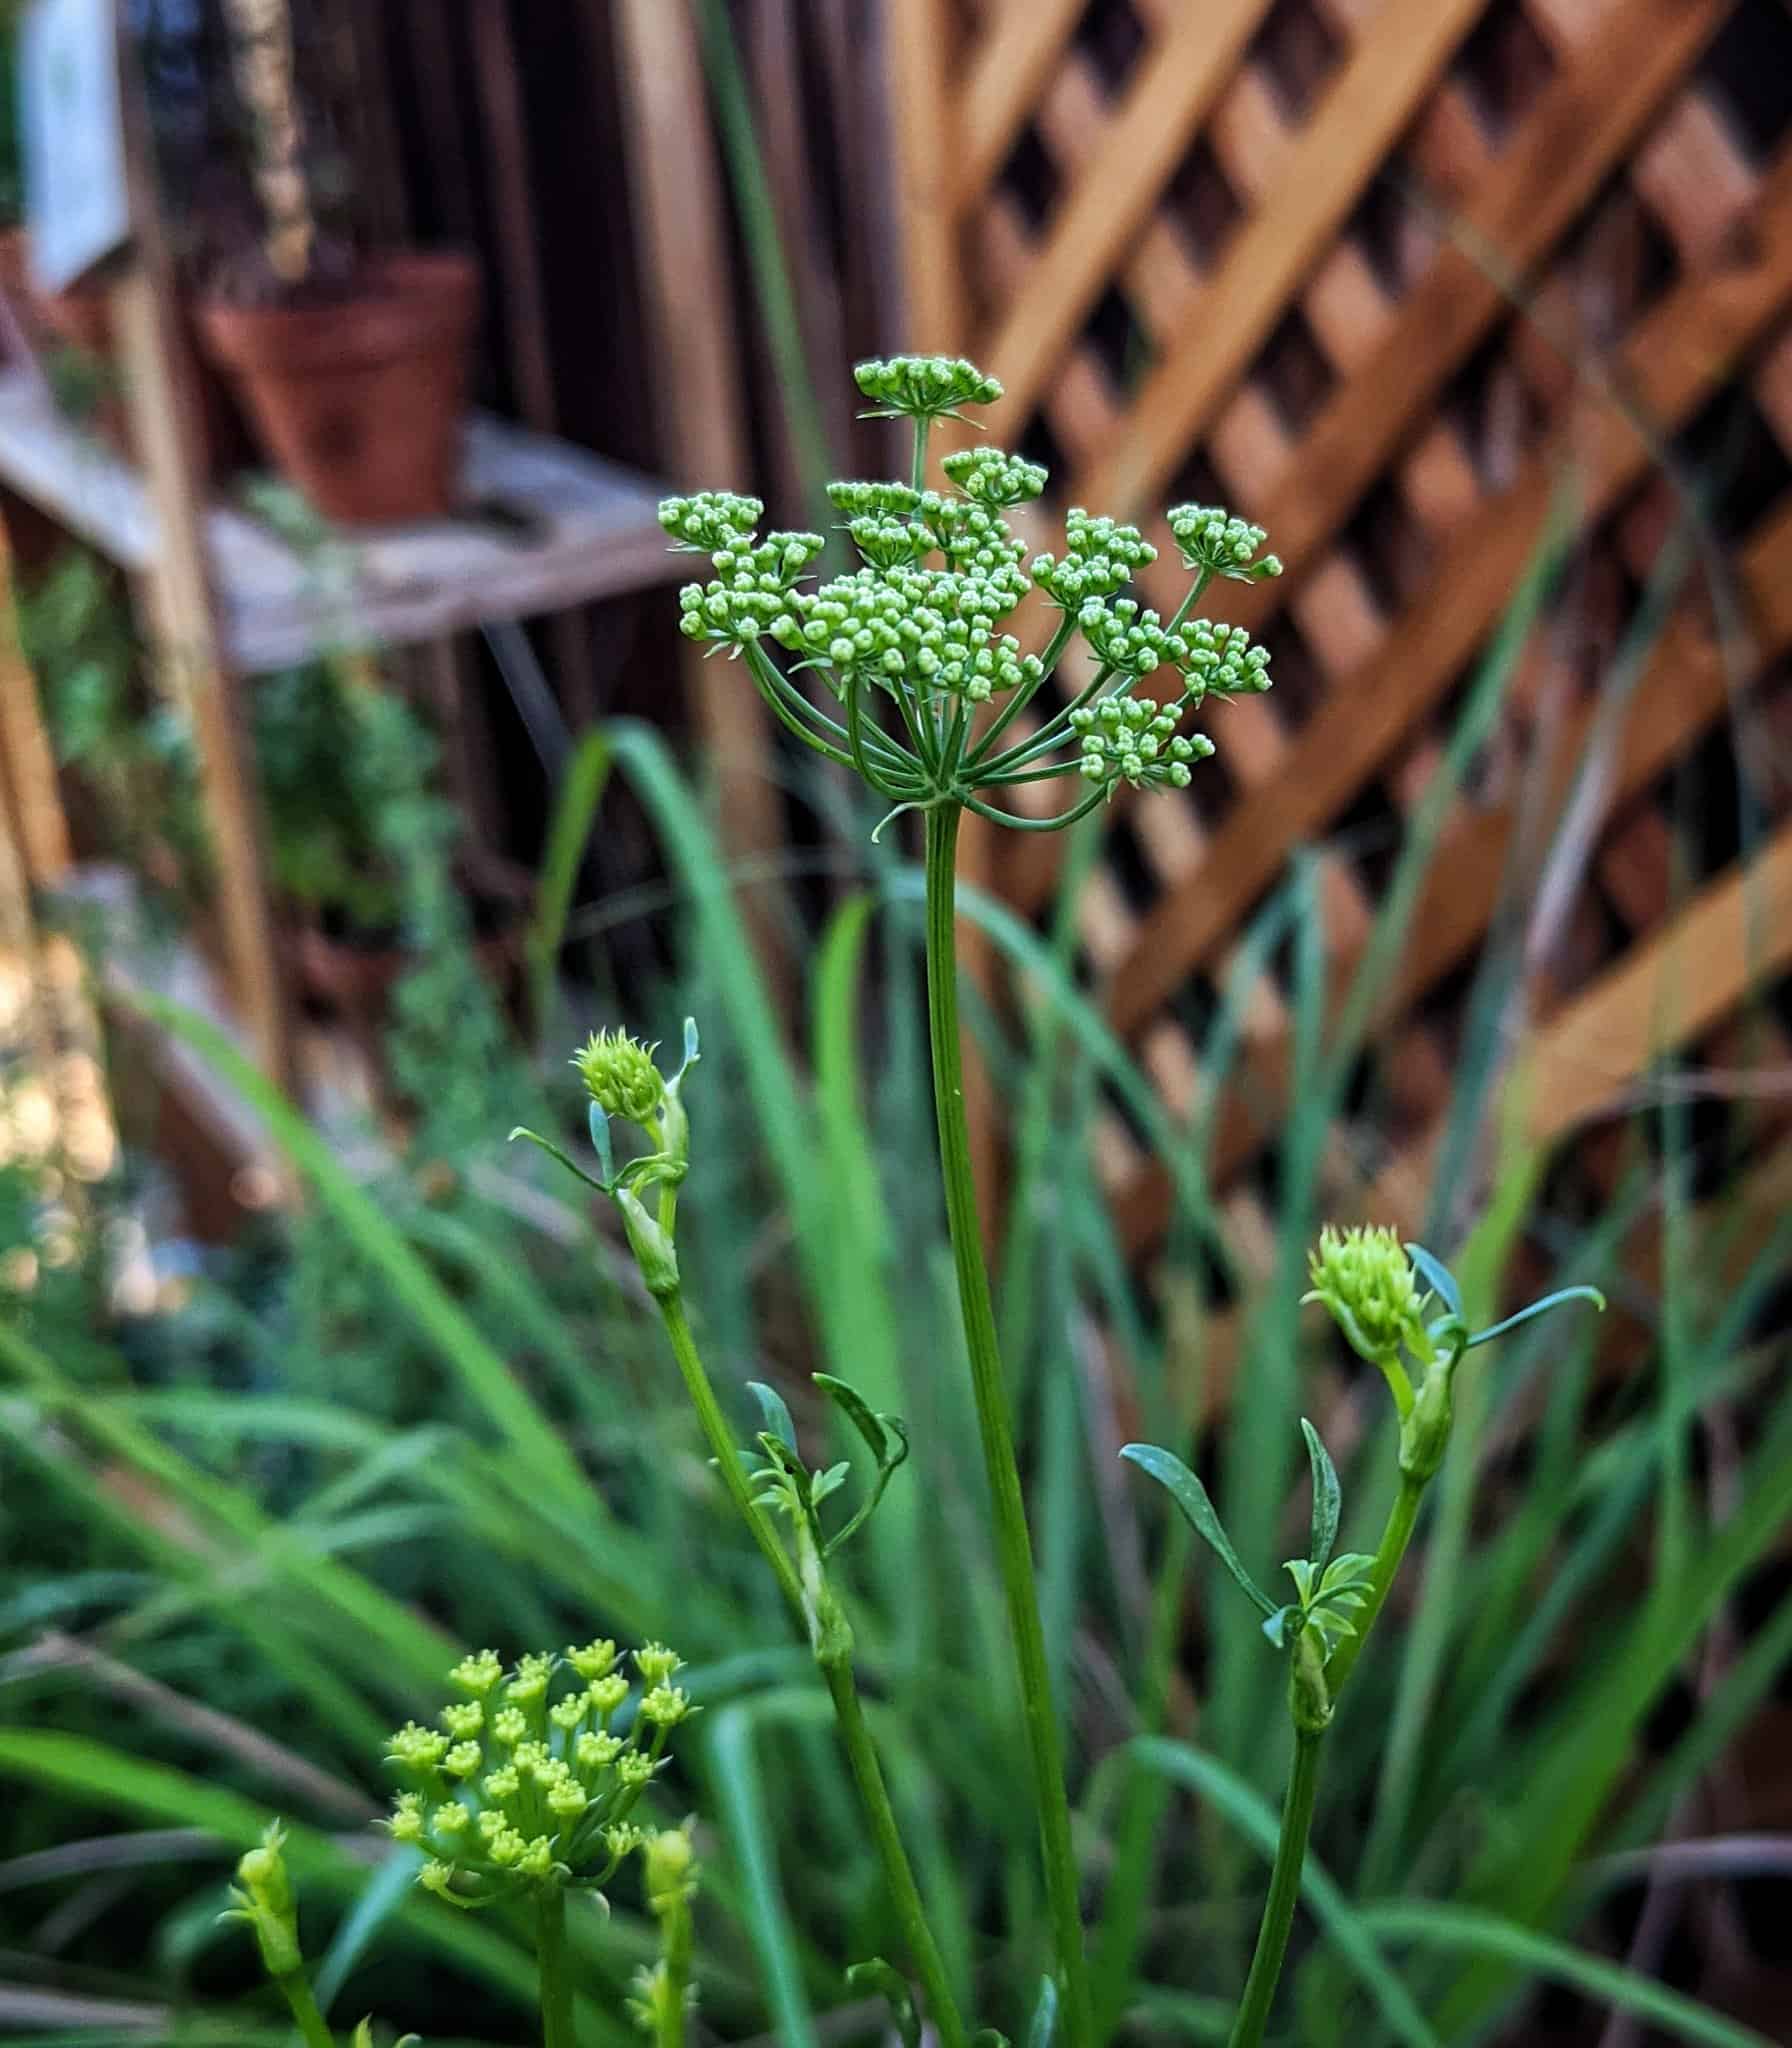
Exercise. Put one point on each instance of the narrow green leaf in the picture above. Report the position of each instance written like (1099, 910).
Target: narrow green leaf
(1191, 1497)
(1437, 1276)
(1470, 1929)
(1539, 1308)
(776, 1415)
(857, 1411)
(1328, 1498)
(1043, 2029)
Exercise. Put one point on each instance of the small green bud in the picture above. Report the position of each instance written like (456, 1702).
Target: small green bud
(1365, 1279)
(656, 1663)
(463, 1719)
(596, 1660)
(607, 1694)
(477, 1674)
(665, 1706)
(924, 387)
(595, 1752)
(406, 1823)
(263, 1896)
(620, 1076)
(669, 1861)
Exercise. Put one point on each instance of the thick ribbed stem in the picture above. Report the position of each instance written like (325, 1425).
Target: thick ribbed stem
(557, 2030)
(995, 1427)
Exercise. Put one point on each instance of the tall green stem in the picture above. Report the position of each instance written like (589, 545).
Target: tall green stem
(898, 1876)
(834, 1655)
(1392, 1548)
(296, 1990)
(1303, 1781)
(724, 1450)
(1284, 1891)
(995, 1426)
(557, 2030)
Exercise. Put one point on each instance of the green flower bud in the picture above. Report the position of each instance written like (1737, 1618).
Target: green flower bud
(669, 1875)
(607, 1694)
(620, 1076)
(263, 1896)
(1211, 539)
(1365, 1279)
(665, 1705)
(656, 1663)
(924, 387)
(477, 1674)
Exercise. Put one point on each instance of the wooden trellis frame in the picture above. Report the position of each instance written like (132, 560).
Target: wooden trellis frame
(1282, 252)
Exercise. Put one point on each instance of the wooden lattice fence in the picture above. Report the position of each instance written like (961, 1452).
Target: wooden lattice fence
(1396, 278)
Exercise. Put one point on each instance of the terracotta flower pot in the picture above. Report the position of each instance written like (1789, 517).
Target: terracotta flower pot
(359, 402)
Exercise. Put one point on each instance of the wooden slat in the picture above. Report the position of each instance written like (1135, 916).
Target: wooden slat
(1340, 149)
(1114, 192)
(27, 759)
(677, 202)
(1685, 349)
(1009, 65)
(929, 149)
(1676, 984)
(1580, 127)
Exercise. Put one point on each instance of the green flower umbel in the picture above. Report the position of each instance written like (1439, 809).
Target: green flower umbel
(529, 1781)
(1365, 1278)
(620, 1076)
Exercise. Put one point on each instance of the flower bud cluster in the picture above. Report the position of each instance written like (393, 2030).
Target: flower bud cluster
(994, 477)
(1223, 661)
(1101, 556)
(924, 387)
(975, 541)
(1127, 640)
(892, 501)
(518, 1787)
(751, 588)
(1213, 539)
(1366, 1280)
(711, 520)
(1134, 739)
(620, 1076)
(934, 626)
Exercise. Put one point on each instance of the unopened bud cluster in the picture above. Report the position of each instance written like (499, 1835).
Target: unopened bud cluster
(1134, 739)
(930, 626)
(620, 1076)
(924, 387)
(528, 1778)
(1212, 539)
(1365, 1278)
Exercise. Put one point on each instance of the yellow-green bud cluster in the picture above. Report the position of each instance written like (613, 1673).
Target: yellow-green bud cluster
(519, 1787)
(1364, 1277)
(711, 520)
(893, 501)
(994, 477)
(1213, 539)
(975, 541)
(620, 1076)
(1101, 556)
(1223, 661)
(1133, 739)
(923, 387)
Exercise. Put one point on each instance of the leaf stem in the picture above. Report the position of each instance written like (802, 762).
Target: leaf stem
(723, 1449)
(1303, 1780)
(1284, 1891)
(996, 1428)
(557, 2029)
(295, 1988)
(833, 1654)
(899, 1877)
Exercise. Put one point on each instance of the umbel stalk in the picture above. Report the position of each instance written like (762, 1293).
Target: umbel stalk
(995, 1426)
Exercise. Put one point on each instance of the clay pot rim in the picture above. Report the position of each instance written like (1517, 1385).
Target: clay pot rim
(397, 297)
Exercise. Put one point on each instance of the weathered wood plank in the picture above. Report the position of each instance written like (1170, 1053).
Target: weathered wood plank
(927, 126)
(1008, 68)
(1682, 351)
(1115, 191)
(1363, 109)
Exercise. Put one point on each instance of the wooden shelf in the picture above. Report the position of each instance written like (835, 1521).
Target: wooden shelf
(548, 526)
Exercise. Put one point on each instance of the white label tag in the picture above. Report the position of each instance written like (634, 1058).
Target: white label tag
(77, 193)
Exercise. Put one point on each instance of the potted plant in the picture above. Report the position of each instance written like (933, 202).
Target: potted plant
(352, 369)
